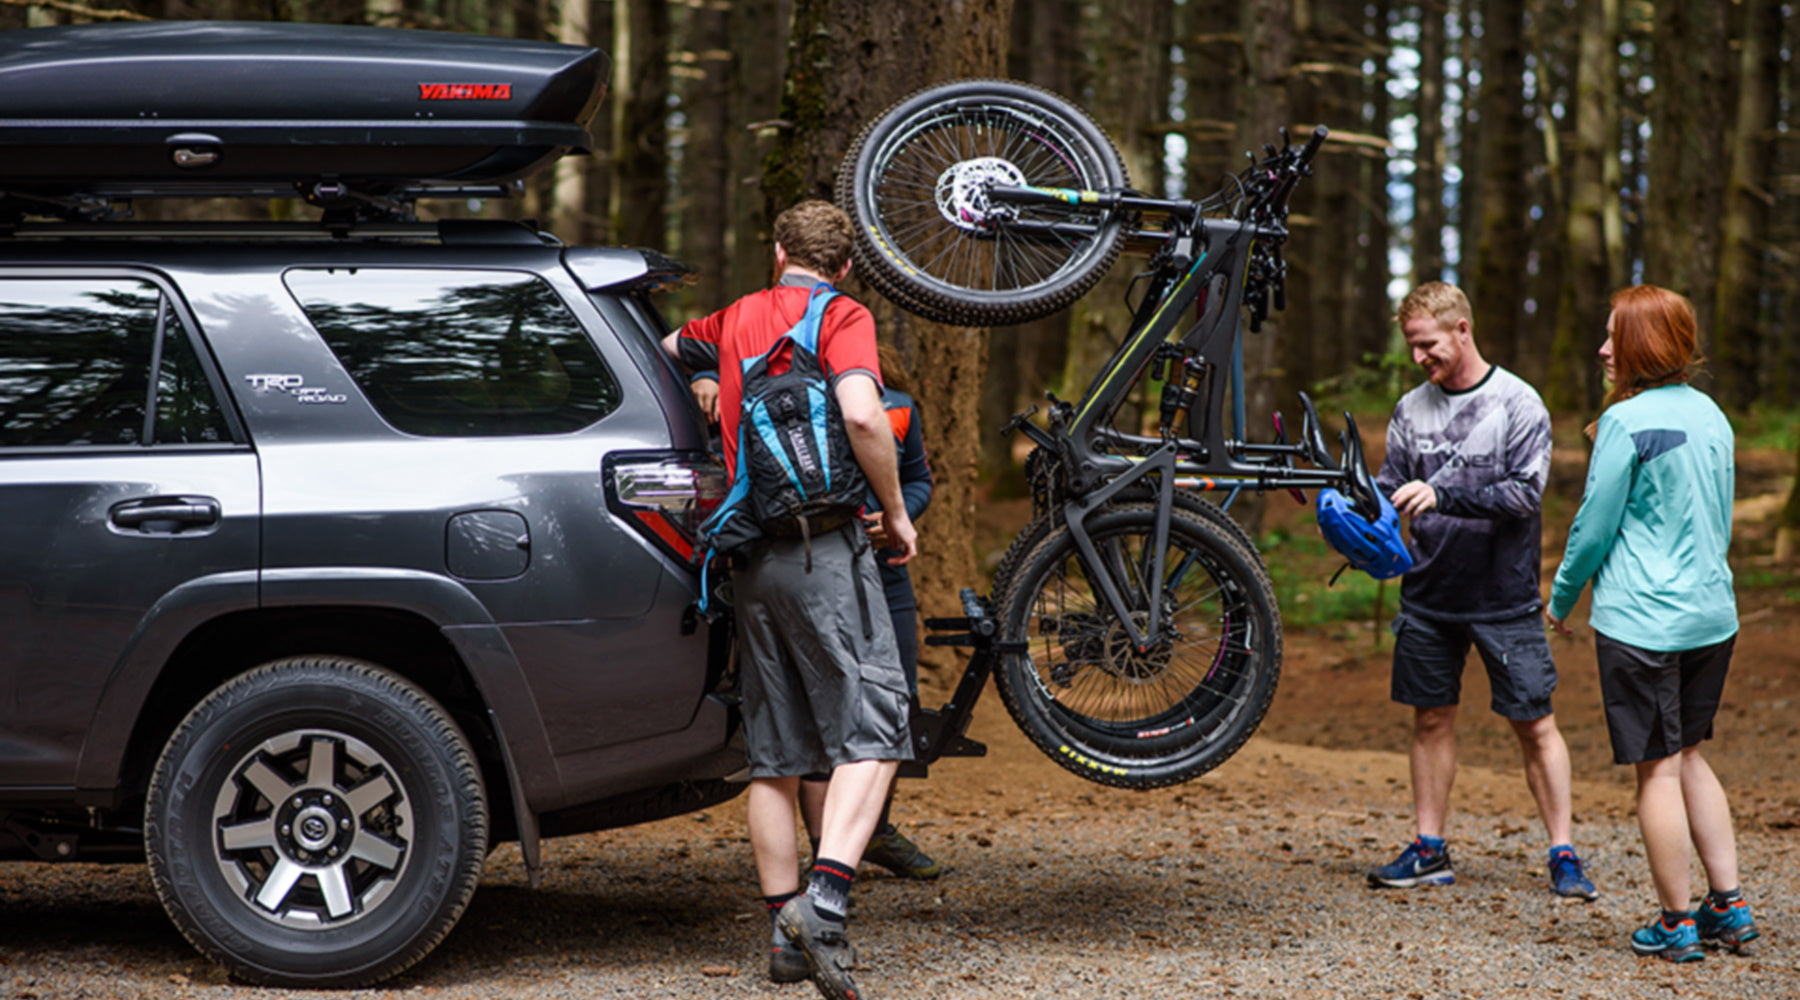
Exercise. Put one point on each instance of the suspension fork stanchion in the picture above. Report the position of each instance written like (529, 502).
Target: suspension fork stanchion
(1075, 513)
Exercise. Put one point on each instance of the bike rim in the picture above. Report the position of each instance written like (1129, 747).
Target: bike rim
(312, 829)
(928, 200)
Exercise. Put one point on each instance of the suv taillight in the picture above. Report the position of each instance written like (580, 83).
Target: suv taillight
(666, 495)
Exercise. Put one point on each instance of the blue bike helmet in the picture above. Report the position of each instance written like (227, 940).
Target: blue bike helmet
(1375, 547)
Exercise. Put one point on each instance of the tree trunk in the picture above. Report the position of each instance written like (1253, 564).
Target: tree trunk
(570, 217)
(1787, 532)
(1428, 160)
(1737, 328)
(1212, 50)
(1581, 314)
(1267, 27)
(1688, 111)
(1026, 360)
(1368, 336)
(706, 155)
(1130, 46)
(848, 61)
(1496, 276)
(640, 99)
(759, 30)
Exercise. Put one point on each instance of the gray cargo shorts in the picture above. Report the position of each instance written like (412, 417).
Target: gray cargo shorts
(818, 692)
(1429, 656)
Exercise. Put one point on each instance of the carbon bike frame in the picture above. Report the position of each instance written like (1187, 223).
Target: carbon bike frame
(1201, 260)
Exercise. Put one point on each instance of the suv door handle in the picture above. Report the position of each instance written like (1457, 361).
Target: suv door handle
(166, 515)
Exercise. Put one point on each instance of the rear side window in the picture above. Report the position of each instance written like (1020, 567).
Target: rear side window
(76, 356)
(446, 353)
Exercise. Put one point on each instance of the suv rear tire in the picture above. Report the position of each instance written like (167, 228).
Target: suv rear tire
(318, 822)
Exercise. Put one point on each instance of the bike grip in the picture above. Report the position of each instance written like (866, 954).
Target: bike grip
(1313, 144)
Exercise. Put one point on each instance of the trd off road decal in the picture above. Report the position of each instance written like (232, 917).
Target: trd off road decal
(295, 386)
(465, 91)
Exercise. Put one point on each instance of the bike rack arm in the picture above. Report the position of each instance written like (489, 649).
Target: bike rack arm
(938, 733)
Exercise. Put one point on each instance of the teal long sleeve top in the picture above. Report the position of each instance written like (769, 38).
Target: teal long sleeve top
(1654, 525)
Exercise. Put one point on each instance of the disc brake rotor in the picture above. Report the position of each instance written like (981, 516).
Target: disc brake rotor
(962, 192)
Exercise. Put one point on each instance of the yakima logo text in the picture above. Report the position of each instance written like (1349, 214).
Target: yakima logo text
(465, 91)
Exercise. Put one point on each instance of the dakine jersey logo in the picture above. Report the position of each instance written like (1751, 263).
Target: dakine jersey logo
(465, 91)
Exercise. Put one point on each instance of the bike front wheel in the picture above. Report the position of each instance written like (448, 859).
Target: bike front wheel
(1141, 718)
(928, 236)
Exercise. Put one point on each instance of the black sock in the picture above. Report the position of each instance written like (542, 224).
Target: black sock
(829, 887)
(774, 904)
(1723, 900)
(1673, 918)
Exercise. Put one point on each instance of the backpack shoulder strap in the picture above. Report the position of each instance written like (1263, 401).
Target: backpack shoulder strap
(806, 332)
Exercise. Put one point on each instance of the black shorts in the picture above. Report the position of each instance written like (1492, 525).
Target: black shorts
(1658, 704)
(1429, 656)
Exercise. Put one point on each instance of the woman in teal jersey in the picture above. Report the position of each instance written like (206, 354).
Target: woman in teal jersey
(1652, 534)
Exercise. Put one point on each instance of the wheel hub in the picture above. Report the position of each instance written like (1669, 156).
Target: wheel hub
(962, 192)
(1124, 660)
(313, 830)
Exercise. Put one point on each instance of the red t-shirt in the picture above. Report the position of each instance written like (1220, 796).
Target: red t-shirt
(750, 326)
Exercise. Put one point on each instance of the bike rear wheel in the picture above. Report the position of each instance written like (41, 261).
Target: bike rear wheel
(1161, 716)
(927, 236)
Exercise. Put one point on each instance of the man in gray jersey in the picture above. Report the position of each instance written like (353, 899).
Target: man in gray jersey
(1468, 452)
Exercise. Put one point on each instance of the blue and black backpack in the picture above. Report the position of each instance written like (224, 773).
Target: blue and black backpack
(797, 476)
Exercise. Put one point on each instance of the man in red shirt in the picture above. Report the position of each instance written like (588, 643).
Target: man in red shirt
(823, 688)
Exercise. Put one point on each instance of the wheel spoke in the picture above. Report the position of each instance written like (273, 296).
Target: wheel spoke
(337, 891)
(280, 882)
(264, 779)
(374, 850)
(369, 794)
(321, 763)
(249, 836)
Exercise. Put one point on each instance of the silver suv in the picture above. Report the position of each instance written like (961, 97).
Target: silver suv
(333, 554)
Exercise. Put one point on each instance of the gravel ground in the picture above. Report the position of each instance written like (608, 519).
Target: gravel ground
(1247, 883)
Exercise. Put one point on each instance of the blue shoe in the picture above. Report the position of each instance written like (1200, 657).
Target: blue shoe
(1417, 865)
(1567, 877)
(1731, 927)
(1680, 943)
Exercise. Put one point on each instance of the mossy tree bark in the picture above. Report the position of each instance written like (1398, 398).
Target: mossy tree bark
(705, 69)
(1573, 382)
(1267, 28)
(1495, 278)
(1429, 215)
(1739, 323)
(640, 100)
(848, 60)
(1688, 114)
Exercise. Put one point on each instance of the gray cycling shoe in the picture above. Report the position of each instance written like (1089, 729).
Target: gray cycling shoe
(826, 948)
(788, 964)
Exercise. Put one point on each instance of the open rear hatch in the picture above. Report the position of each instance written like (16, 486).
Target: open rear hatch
(219, 108)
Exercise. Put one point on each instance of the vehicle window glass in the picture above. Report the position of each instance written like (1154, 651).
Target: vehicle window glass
(187, 412)
(74, 360)
(455, 353)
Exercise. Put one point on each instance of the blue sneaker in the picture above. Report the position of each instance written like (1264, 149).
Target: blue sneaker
(1680, 943)
(1567, 877)
(1731, 927)
(1417, 865)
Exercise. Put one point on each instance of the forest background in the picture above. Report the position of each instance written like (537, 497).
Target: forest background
(1541, 153)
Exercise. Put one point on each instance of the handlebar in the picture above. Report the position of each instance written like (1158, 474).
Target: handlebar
(1312, 146)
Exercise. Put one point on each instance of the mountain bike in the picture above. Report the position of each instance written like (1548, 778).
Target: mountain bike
(1131, 626)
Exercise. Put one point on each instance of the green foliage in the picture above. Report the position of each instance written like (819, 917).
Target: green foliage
(1300, 564)
(1767, 427)
(1372, 386)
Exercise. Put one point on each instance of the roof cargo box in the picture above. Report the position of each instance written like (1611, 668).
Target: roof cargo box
(231, 107)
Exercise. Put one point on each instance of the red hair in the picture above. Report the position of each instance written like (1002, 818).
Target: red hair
(1654, 341)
